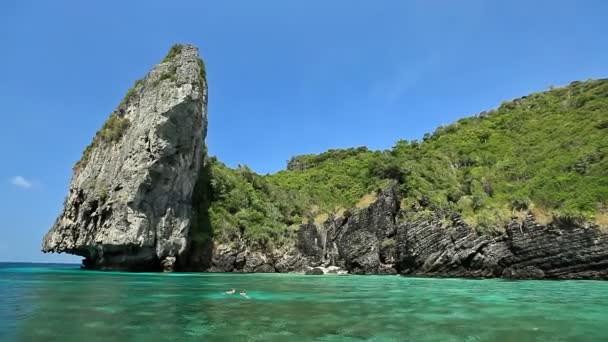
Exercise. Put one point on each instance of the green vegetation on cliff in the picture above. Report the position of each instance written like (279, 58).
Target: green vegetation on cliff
(175, 50)
(111, 132)
(249, 206)
(546, 152)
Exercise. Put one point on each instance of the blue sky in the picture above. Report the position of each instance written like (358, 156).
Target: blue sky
(285, 77)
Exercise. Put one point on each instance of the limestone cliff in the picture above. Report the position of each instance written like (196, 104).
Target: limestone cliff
(129, 201)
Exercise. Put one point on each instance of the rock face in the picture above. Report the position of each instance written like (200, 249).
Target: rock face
(385, 239)
(527, 250)
(129, 204)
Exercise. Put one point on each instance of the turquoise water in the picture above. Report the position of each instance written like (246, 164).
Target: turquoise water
(63, 303)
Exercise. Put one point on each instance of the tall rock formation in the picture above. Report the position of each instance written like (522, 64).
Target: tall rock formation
(129, 205)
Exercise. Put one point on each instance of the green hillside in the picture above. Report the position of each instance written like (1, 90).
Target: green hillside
(546, 152)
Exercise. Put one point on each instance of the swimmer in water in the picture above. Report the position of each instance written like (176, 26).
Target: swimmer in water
(231, 291)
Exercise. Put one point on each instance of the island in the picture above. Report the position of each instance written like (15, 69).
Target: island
(519, 192)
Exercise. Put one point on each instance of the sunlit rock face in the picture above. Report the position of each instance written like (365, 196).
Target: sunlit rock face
(129, 203)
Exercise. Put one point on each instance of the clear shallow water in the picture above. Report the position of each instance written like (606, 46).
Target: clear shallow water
(63, 303)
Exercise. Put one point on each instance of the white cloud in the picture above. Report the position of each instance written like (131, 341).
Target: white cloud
(21, 182)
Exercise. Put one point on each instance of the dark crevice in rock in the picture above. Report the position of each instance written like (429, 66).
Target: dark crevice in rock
(198, 256)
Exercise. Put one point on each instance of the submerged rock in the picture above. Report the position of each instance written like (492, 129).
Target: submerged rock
(315, 271)
(129, 203)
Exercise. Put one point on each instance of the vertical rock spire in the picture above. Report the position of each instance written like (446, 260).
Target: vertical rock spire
(129, 203)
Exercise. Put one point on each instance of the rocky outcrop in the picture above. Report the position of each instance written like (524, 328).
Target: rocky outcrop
(527, 250)
(386, 239)
(565, 249)
(360, 241)
(129, 203)
(431, 246)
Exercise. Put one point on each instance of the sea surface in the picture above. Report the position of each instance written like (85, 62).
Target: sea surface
(43, 302)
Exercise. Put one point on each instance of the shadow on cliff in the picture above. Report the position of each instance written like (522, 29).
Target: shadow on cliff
(200, 251)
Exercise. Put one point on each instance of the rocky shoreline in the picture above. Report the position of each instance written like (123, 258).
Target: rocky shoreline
(382, 240)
